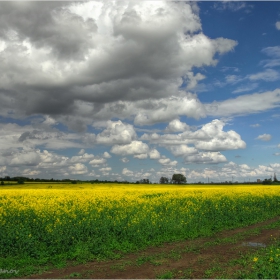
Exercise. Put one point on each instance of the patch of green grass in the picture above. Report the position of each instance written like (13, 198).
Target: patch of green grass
(186, 273)
(192, 249)
(243, 261)
(212, 243)
(175, 255)
(210, 271)
(61, 264)
(23, 266)
(183, 274)
(157, 262)
(75, 274)
(200, 259)
(143, 259)
(165, 275)
(231, 240)
(265, 263)
(159, 258)
(87, 273)
(273, 225)
(121, 266)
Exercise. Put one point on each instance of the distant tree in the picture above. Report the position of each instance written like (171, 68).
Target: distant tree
(267, 181)
(2, 182)
(20, 181)
(144, 181)
(74, 182)
(179, 179)
(163, 180)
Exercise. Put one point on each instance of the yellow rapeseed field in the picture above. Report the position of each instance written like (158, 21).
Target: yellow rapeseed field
(44, 220)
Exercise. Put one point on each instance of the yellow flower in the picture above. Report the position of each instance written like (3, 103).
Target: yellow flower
(255, 259)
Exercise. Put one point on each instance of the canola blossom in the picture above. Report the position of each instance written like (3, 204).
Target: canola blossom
(98, 220)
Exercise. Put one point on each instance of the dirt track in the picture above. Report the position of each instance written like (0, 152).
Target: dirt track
(198, 258)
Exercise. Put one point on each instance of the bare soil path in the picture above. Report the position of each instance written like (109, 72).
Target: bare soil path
(199, 258)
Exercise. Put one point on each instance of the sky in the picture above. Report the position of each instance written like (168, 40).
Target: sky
(127, 90)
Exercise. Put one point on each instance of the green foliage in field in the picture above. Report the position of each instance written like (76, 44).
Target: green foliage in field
(83, 224)
(266, 263)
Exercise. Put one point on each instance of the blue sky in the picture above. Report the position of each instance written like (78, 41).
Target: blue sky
(130, 90)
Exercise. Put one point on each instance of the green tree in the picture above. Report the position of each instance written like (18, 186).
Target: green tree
(267, 182)
(179, 179)
(163, 180)
(144, 181)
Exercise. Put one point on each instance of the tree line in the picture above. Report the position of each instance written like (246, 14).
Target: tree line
(271, 181)
(176, 179)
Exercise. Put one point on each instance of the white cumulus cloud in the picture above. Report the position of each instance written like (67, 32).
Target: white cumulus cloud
(154, 154)
(264, 137)
(220, 140)
(127, 172)
(141, 156)
(78, 169)
(124, 160)
(181, 150)
(116, 133)
(210, 137)
(206, 157)
(134, 148)
(167, 162)
(106, 155)
(149, 47)
(105, 169)
(97, 161)
(245, 104)
(176, 126)
(81, 152)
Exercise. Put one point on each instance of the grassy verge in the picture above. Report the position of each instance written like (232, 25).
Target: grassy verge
(264, 263)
